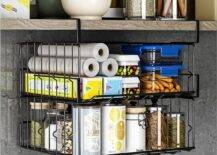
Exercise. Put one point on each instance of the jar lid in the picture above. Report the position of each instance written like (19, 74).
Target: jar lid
(155, 109)
(125, 58)
(61, 106)
(40, 105)
(130, 80)
(175, 115)
(136, 110)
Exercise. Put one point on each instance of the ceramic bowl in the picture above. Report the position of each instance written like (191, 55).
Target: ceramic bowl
(86, 9)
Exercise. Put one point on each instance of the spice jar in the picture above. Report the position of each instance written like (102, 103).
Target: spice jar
(135, 124)
(176, 123)
(64, 128)
(51, 137)
(131, 85)
(160, 79)
(172, 9)
(128, 65)
(156, 129)
(144, 9)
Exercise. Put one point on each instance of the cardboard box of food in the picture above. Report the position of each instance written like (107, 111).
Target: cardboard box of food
(50, 86)
(15, 9)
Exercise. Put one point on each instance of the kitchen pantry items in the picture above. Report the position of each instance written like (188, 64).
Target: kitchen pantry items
(131, 85)
(64, 129)
(156, 129)
(206, 10)
(37, 134)
(87, 130)
(113, 129)
(86, 10)
(116, 10)
(128, 64)
(135, 128)
(155, 53)
(99, 51)
(140, 9)
(176, 123)
(108, 67)
(50, 9)
(172, 9)
(88, 66)
(112, 85)
(158, 79)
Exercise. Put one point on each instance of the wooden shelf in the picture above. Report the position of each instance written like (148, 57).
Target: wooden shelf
(55, 24)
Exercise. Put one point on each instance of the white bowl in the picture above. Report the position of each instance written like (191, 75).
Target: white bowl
(86, 9)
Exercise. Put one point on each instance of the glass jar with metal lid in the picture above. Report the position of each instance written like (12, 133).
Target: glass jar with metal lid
(140, 9)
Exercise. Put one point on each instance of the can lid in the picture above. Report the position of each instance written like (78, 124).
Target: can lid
(135, 116)
(136, 110)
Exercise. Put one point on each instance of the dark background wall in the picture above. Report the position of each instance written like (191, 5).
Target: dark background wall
(205, 106)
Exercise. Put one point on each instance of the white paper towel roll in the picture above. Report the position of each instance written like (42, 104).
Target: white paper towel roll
(89, 66)
(108, 67)
(99, 51)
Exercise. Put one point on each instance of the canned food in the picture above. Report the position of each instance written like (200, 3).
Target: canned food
(113, 129)
(87, 130)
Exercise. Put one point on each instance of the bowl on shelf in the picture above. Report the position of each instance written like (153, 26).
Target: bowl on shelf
(86, 9)
(51, 9)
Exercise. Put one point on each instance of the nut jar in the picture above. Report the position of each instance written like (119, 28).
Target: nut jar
(131, 85)
(128, 65)
(161, 79)
(156, 129)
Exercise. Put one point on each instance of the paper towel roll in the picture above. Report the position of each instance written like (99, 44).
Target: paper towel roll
(89, 66)
(108, 67)
(99, 51)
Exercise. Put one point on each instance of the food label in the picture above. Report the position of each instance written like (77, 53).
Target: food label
(44, 85)
(114, 129)
(91, 87)
(112, 86)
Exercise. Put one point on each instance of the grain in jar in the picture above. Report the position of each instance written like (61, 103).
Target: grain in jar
(156, 130)
(140, 9)
(176, 123)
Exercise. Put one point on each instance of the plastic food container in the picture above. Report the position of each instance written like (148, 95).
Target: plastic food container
(156, 129)
(159, 79)
(128, 64)
(131, 85)
(155, 53)
(172, 9)
(176, 123)
(136, 133)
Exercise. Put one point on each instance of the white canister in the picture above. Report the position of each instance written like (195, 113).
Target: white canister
(87, 130)
(136, 132)
(113, 129)
(51, 137)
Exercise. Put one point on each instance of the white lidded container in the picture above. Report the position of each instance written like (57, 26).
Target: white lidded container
(136, 132)
(128, 65)
(131, 85)
(87, 130)
(113, 129)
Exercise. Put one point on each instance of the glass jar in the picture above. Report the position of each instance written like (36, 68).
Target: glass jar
(176, 123)
(51, 136)
(131, 85)
(128, 65)
(156, 129)
(160, 79)
(116, 10)
(172, 9)
(137, 9)
(64, 128)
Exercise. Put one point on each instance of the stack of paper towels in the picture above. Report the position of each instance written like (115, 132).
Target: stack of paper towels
(94, 60)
